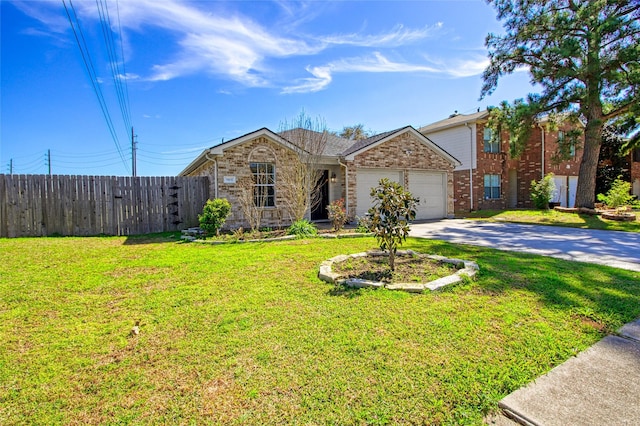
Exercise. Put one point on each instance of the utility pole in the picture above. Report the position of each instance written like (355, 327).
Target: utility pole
(133, 154)
(49, 160)
(11, 166)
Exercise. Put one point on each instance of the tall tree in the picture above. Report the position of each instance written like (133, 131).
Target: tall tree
(584, 54)
(355, 132)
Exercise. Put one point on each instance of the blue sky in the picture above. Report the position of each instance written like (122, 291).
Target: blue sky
(194, 73)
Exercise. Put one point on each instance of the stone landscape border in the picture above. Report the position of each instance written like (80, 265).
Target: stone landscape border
(466, 268)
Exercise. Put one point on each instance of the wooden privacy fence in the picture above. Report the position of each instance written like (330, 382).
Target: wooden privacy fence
(40, 205)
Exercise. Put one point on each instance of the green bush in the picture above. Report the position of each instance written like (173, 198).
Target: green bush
(214, 214)
(337, 214)
(618, 196)
(302, 228)
(364, 225)
(542, 191)
(393, 209)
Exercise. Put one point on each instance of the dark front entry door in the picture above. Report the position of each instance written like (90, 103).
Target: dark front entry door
(319, 210)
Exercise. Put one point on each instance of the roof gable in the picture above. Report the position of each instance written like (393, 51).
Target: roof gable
(369, 143)
(218, 150)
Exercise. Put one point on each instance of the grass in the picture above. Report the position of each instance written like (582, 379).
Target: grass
(554, 217)
(247, 334)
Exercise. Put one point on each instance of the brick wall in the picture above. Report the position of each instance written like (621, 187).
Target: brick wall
(527, 167)
(404, 152)
(635, 176)
(235, 163)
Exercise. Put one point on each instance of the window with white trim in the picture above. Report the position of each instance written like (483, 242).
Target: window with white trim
(490, 145)
(572, 147)
(264, 184)
(491, 187)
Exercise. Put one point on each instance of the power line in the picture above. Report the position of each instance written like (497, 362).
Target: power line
(105, 21)
(124, 70)
(86, 58)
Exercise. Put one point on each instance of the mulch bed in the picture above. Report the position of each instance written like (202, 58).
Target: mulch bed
(408, 269)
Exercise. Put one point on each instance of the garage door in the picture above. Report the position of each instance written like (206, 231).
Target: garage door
(431, 189)
(367, 179)
(566, 187)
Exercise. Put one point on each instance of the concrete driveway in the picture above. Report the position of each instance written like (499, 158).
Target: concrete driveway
(612, 248)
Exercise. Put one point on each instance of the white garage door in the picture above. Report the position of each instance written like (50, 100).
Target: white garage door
(566, 187)
(431, 189)
(369, 178)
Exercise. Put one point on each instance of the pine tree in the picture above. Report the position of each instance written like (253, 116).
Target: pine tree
(584, 54)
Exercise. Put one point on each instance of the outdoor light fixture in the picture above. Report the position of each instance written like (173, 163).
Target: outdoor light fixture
(333, 178)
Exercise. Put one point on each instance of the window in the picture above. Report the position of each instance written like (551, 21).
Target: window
(490, 145)
(572, 147)
(264, 181)
(636, 154)
(491, 187)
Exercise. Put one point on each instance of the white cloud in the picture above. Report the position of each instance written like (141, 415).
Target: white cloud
(467, 67)
(222, 43)
(397, 37)
(376, 63)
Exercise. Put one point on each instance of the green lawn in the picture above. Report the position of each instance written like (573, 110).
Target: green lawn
(554, 217)
(247, 334)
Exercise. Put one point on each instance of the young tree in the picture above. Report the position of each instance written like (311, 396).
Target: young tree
(584, 56)
(393, 209)
(251, 202)
(300, 179)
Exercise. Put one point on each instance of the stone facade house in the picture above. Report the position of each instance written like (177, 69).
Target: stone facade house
(349, 170)
(488, 177)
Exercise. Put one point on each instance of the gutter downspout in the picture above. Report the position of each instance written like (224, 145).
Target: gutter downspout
(215, 174)
(470, 166)
(542, 158)
(346, 185)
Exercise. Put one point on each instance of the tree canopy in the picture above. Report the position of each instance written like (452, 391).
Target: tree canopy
(584, 55)
(355, 132)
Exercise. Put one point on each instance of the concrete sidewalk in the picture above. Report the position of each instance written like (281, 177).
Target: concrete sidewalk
(600, 386)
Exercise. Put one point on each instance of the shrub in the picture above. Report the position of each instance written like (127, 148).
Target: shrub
(302, 228)
(542, 191)
(393, 208)
(619, 195)
(214, 214)
(337, 214)
(364, 224)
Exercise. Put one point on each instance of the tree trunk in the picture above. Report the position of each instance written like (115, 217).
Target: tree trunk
(586, 191)
(592, 110)
(392, 259)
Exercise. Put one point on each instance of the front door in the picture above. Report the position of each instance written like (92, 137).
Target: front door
(321, 200)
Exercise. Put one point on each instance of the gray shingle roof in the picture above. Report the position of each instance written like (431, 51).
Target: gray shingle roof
(361, 144)
(334, 146)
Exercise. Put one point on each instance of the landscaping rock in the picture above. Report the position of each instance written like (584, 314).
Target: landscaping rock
(465, 267)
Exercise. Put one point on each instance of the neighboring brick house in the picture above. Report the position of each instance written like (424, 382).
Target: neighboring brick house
(350, 170)
(499, 181)
(635, 172)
